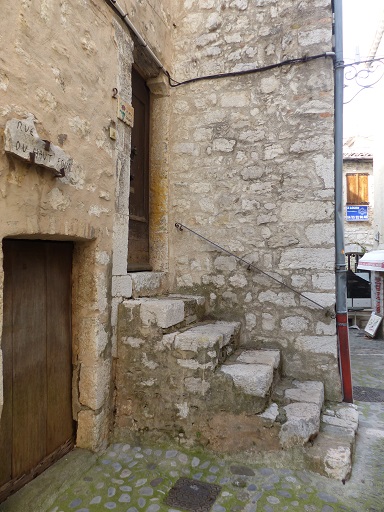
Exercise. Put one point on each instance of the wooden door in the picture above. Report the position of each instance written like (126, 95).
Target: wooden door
(36, 425)
(138, 238)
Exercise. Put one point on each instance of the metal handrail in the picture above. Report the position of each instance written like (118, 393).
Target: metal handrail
(250, 266)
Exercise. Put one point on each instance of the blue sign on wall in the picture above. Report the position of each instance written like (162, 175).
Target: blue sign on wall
(357, 213)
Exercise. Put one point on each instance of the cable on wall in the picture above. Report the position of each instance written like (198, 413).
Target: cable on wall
(288, 62)
(174, 83)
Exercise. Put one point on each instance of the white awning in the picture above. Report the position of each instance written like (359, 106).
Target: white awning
(373, 260)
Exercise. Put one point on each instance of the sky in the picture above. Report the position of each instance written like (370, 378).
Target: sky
(360, 22)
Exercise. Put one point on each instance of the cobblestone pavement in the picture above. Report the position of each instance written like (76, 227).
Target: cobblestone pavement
(133, 478)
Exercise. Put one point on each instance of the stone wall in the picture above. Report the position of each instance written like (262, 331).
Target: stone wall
(59, 64)
(246, 161)
(251, 168)
(154, 21)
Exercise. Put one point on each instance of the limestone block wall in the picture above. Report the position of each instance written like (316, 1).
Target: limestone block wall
(251, 168)
(154, 21)
(59, 63)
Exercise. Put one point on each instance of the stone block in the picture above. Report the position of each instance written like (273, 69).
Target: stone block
(148, 284)
(225, 263)
(294, 324)
(347, 412)
(120, 250)
(194, 306)
(270, 413)
(307, 258)
(268, 357)
(327, 300)
(227, 329)
(303, 423)
(92, 430)
(252, 379)
(197, 338)
(317, 344)
(94, 384)
(330, 456)
(91, 338)
(122, 286)
(341, 433)
(340, 422)
(215, 335)
(317, 36)
(307, 391)
(164, 313)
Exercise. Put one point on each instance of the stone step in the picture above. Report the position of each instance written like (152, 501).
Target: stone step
(265, 425)
(147, 317)
(298, 409)
(194, 307)
(166, 379)
(242, 385)
(205, 346)
(331, 453)
(288, 391)
(252, 370)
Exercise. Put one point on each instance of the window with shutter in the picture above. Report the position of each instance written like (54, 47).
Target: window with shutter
(357, 188)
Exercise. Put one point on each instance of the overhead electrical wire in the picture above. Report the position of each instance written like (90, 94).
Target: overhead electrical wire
(288, 62)
(175, 83)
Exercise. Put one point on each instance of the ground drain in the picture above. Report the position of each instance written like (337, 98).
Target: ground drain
(364, 394)
(192, 495)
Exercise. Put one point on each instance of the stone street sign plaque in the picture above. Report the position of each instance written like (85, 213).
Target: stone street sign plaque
(22, 140)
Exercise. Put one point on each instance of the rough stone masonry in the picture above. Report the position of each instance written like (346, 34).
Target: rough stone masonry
(251, 168)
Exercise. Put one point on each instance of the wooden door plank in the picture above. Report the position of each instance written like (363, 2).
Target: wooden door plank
(59, 353)
(138, 237)
(363, 189)
(29, 356)
(352, 189)
(6, 345)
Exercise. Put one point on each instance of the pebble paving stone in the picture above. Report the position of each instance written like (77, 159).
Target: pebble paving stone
(109, 485)
(131, 478)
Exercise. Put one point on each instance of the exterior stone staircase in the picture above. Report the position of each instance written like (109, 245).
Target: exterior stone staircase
(181, 375)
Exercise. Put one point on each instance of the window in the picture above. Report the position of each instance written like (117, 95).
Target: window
(357, 188)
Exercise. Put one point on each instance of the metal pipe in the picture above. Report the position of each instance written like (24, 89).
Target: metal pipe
(340, 267)
(127, 21)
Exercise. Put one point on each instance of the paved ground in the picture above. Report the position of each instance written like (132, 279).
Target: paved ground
(130, 478)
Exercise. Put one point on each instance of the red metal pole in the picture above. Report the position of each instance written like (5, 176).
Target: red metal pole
(344, 356)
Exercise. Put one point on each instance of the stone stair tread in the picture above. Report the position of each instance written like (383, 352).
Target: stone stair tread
(252, 379)
(303, 424)
(306, 391)
(332, 451)
(206, 335)
(170, 310)
(342, 415)
(337, 432)
(331, 456)
(199, 299)
(163, 311)
(268, 357)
